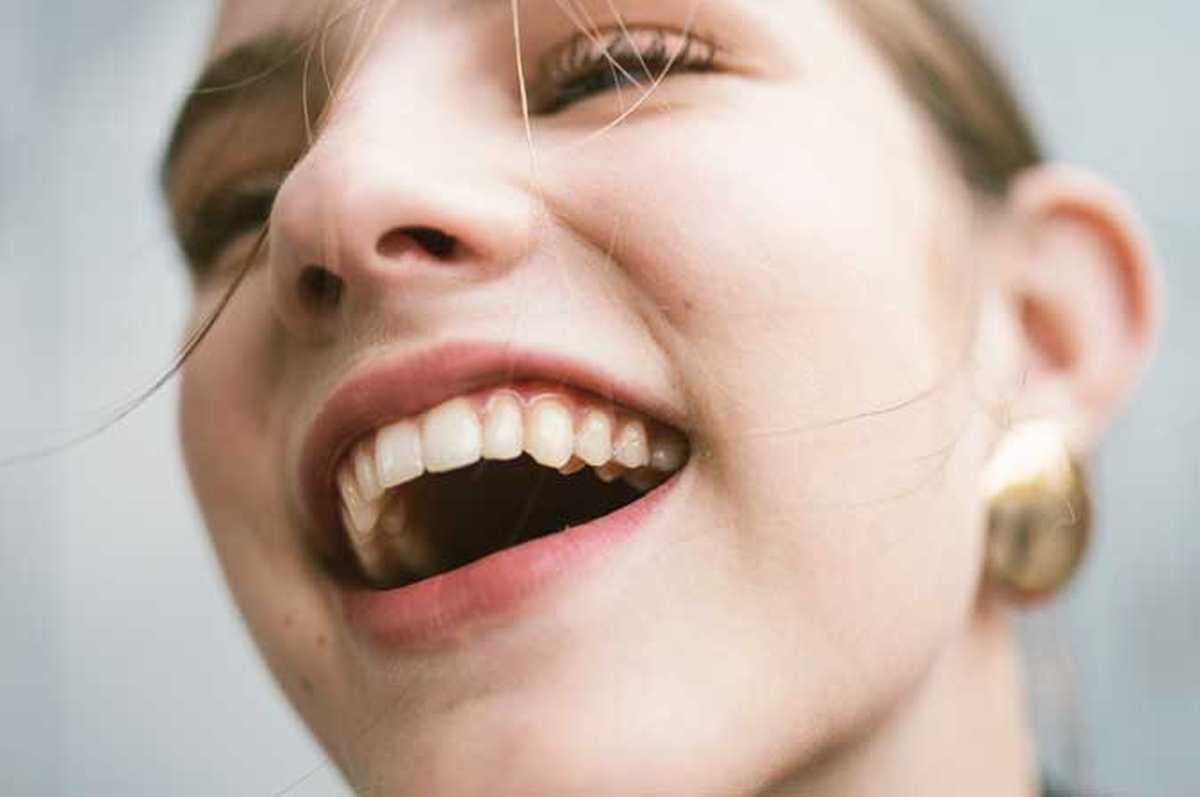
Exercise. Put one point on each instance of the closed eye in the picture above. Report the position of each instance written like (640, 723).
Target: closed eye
(641, 56)
(224, 217)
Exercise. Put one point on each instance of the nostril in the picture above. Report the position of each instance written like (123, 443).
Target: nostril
(435, 242)
(320, 289)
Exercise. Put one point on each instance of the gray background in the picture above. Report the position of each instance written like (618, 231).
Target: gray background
(125, 669)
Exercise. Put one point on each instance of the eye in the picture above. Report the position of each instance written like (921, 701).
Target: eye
(224, 217)
(590, 65)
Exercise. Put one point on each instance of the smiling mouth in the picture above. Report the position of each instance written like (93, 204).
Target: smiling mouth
(488, 471)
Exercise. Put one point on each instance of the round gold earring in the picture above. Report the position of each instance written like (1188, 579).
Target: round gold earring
(1039, 513)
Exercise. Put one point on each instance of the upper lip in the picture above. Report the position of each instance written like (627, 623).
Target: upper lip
(387, 388)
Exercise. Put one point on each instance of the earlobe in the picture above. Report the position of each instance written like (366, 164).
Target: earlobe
(1085, 294)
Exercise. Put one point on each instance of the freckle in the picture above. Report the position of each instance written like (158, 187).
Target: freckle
(288, 620)
(307, 685)
(321, 641)
(689, 305)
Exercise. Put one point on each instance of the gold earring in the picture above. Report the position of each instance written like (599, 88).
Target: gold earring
(1039, 514)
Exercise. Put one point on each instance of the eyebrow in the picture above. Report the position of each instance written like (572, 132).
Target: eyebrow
(261, 66)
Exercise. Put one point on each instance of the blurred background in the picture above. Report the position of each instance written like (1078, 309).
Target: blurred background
(125, 668)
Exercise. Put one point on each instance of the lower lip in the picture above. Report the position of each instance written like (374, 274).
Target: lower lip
(450, 608)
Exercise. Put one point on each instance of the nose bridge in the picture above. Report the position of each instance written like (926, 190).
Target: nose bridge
(407, 182)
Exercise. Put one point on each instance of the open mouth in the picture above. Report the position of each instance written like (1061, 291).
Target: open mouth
(488, 471)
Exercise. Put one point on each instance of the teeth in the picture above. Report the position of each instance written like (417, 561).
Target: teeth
(609, 472)
(360, 514)
(549, 433)
(631, 448)
(398, 454)
(644, 479)
(408, 546)
(593, 444)
(454, 435)
(366, 549)
(451, 437)
(572, 467)
(503, 432)
(668, 452)
(392, 545)
(364, 471)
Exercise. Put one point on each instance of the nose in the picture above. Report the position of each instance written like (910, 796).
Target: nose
(376, 216)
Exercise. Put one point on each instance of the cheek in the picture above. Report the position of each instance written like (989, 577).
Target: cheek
(228, 422)
(792, 259)
(796, 288)
(228, 442)
(225, 418)
(795, 280)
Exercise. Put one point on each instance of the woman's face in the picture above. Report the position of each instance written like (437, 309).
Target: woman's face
(764, 256)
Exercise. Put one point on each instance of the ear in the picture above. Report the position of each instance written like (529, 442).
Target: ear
(1083, 293)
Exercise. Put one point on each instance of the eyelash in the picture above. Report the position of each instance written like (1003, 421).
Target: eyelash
(223, 217)
(583, 67)
(591, 65)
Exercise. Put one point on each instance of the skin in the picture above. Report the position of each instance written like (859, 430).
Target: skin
(806, 616)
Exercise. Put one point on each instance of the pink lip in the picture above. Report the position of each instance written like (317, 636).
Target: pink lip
(385, 389)
(452, 606)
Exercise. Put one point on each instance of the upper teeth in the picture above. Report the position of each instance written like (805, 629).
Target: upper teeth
(553, 429)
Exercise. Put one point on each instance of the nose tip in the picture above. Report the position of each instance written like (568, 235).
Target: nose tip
(350, 233)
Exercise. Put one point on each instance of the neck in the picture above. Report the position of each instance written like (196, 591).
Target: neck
(963, 730)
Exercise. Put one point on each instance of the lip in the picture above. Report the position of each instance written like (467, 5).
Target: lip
(387, 388)
(453, 606)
